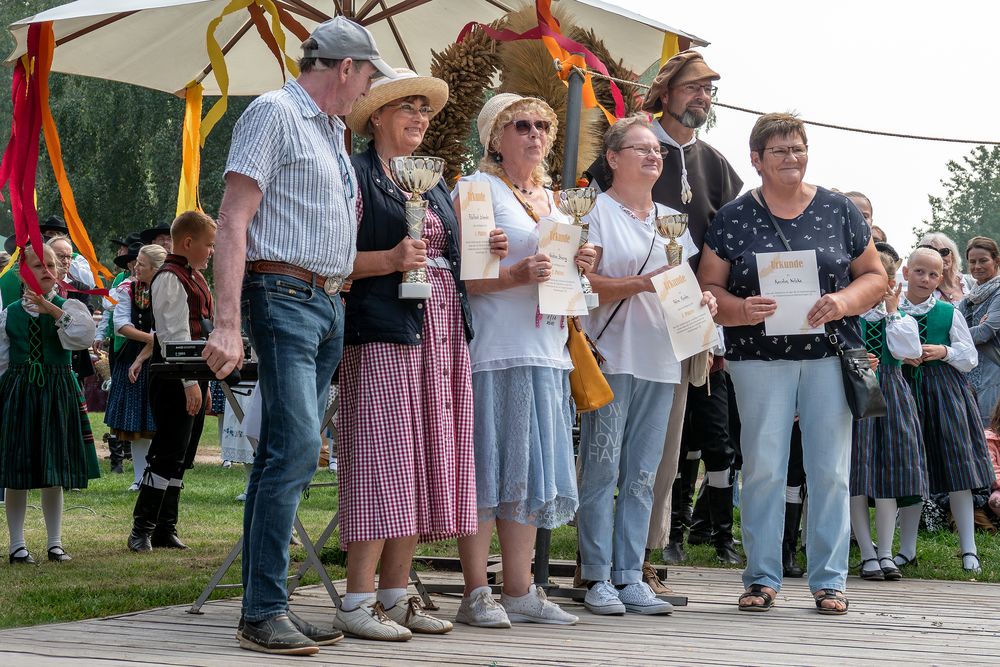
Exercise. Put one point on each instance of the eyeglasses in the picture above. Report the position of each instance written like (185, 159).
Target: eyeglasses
(694, 89)
(63, 258)
(645, 151)
(413, 110)
(782, 152)
(944, 252)
(524, 126)
(345, 174)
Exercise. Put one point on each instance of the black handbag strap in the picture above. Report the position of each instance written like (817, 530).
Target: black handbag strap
(622, 302)
(831, 335)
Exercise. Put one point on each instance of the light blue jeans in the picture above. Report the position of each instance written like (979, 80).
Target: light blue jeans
(768, 394)
(620, 448)
(297, 331)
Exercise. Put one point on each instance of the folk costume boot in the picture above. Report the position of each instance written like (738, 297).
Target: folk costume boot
(680, 510)
(720, 507)
(116, 449)
(701, 523)
(793, 516)
(147, 509)
(165, 533)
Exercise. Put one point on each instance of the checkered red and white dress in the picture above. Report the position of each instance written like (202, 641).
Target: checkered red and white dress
(405, 458)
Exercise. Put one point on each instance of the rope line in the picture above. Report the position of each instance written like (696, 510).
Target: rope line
(831, 126)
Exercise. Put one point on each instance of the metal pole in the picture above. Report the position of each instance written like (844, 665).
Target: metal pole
(571, 141)
(571, 146)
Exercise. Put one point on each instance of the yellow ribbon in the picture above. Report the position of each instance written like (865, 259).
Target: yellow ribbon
(671, 47)
(11, 263)
(187, 188)
(218, 59)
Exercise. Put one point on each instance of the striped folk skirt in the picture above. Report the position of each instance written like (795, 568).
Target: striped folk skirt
(887, 453)
(957, 458)
(405, 459)
(128, 414)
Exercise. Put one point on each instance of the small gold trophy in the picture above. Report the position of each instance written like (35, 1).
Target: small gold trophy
(576, 203)
(671, 227)
(416, 174)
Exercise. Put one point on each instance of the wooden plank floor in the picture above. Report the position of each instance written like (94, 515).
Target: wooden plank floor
(908, 622)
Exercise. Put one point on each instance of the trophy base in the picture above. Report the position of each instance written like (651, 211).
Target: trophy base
(592, 300)
(415, 291)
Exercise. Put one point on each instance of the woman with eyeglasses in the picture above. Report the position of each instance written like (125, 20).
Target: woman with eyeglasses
(404, 446)
(621, 443)
(981, 308)
(776, 377)
(954, 284)
(525, 475)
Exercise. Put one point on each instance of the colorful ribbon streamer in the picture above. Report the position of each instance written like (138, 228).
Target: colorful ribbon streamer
(187, 188)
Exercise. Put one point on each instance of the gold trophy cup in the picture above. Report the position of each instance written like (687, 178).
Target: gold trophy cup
(576, 203)
(416, 174)
(671, 227)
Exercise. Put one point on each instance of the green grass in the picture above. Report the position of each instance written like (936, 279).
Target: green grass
(104, 578)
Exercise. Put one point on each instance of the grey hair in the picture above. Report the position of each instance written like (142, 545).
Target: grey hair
(940, 239)
(614, 137)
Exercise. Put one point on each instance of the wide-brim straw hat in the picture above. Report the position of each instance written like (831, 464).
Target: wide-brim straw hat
(495, 106)
(385, 90)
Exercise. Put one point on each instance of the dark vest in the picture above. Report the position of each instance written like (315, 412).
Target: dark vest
(199, 296)
(374, 312)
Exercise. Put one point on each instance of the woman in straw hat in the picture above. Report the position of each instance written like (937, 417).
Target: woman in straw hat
(525, 475)
(404, 449)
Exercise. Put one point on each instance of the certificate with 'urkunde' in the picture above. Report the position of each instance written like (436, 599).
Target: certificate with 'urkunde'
(791, 279)
(561, 294)
(476, 203)
(689, 323)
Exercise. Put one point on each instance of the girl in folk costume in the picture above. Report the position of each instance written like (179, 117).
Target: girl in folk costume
(957, 460)
(887, 456)
(41, 427)
(129, 414)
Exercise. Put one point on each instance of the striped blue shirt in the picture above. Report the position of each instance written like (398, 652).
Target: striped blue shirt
(296, 154)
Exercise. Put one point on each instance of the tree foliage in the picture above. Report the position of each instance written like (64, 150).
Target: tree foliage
(121, 146)
(971, 203)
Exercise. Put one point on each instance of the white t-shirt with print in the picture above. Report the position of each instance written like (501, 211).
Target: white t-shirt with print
(636, 342)
(510, 331)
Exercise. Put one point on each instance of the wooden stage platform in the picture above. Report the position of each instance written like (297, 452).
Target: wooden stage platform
(910, 622)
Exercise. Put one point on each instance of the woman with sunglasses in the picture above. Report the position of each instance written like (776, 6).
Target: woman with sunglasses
(525, 475)
(404, 447)
(621, 444)
(954, 285)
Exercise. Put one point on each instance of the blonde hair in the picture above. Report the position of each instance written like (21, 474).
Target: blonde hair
(190, 224)
(48, 252)
(156, 254)
(489, 164)
(614, 137)
(890, 263)
(939, 239)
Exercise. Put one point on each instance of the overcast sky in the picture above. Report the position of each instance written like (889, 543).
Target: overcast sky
(927, 68)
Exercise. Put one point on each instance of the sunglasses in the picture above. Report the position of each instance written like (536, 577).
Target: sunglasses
(524, 126)
(944, 252)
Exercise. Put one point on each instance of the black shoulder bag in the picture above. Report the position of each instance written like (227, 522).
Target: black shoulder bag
(864, 396)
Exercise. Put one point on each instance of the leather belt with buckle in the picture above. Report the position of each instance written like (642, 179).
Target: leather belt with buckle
(329, 284)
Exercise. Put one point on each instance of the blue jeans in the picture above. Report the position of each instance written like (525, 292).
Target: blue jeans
(297, 331)
(620, 448)
(768, 394)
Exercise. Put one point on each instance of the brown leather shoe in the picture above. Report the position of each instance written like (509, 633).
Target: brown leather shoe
(652, 579)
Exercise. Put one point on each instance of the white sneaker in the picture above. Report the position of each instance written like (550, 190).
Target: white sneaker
(602, 598)
(482, 610)
(534, 607)
(332, 467)
(241, 497)
(134, 487)
(409, 612)
(369, 621)
(640, 599)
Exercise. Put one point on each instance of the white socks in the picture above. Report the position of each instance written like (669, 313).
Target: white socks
(352, 601)
(15, 507)
(793, 494)
(52, 510)
(140, 448)
(861, 523)
(390, 596)
(885, 525)
(718, 479)
(909, 521)
(962, 510)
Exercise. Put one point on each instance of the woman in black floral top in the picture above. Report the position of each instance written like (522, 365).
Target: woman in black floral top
(800, 373)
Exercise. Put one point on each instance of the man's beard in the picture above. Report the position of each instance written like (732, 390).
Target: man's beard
(691, 118)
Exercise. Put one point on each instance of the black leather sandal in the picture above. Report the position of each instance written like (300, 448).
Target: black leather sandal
(58, 554)
(757, 591)
(906, 562)
(830, 594)
(972, 570)
(871, 575)
(889, 569)
(24, 559)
